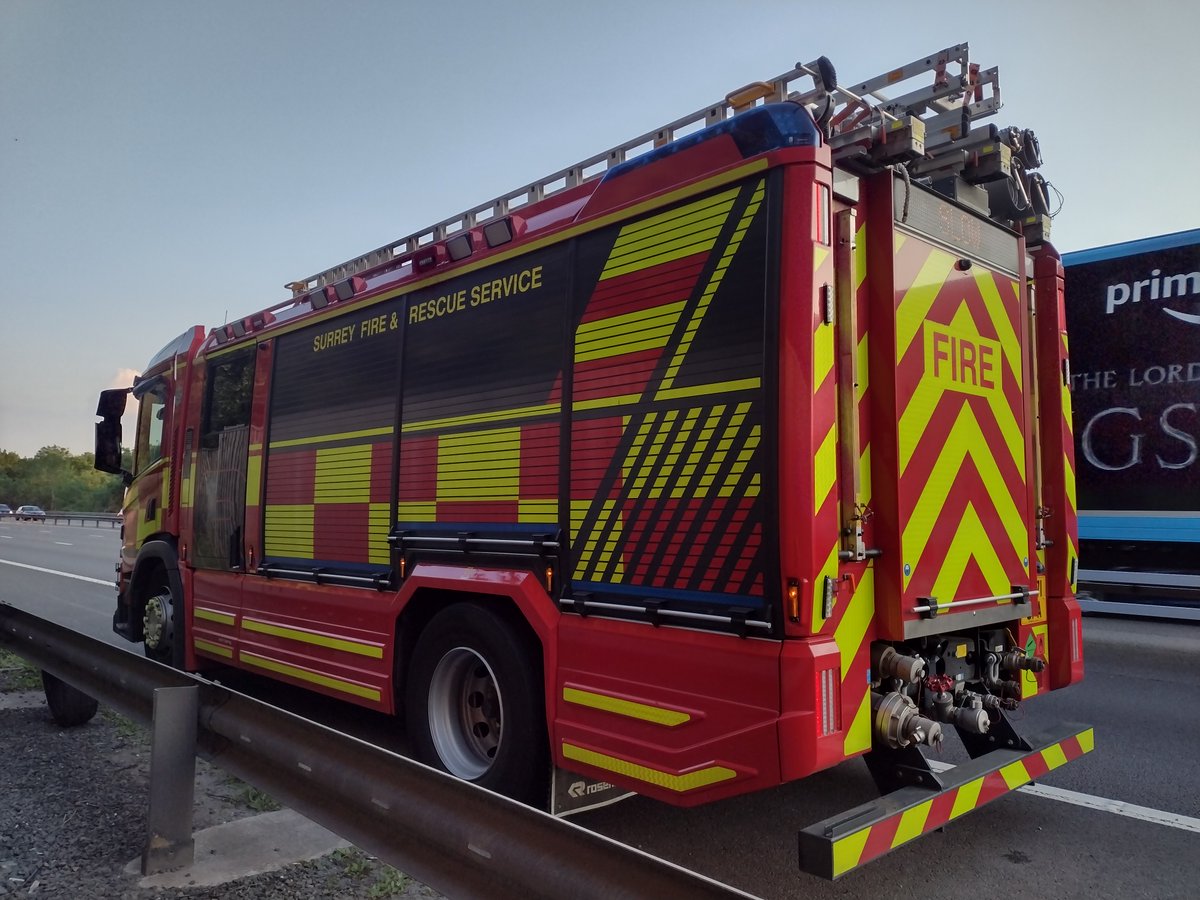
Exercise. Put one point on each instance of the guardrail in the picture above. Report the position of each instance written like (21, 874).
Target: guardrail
(457, 838)
(112, 520)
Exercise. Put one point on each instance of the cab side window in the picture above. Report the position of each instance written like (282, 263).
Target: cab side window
(152, 414)
(230, 392)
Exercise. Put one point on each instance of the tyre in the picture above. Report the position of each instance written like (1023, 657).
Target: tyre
(68, 705)
(475, 703)
(161, 630)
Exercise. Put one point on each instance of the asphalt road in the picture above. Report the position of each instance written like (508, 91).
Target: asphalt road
(64, 573)
(1140, 688)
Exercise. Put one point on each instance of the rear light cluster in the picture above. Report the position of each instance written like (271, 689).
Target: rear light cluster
(830, 707)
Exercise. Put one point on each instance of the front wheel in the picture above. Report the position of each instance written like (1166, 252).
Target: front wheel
(475, 703)
(160, 628)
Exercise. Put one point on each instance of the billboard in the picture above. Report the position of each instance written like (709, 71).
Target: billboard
(1133, 322)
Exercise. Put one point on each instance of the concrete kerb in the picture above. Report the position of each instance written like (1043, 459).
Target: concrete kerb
(244, 847)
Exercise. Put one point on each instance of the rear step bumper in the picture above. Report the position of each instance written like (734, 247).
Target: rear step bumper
(843, 842)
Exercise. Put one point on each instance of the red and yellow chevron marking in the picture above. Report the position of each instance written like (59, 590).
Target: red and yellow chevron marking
(863, 845)
(852, 635)
(1071, 513)
(825, 437)
(851, 622)
(961, 433)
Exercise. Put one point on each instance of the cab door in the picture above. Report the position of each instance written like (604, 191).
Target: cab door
(216, 553)
(146, 500)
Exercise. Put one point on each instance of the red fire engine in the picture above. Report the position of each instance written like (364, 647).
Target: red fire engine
(731, 453)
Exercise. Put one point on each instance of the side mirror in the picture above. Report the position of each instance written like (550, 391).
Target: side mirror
(108, 448)
(112, 404)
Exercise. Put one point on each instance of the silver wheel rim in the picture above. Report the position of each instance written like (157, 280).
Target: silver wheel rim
(153, 621)
(466, 713)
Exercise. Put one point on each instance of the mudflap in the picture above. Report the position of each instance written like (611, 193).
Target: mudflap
(843, 842)
(571, 793)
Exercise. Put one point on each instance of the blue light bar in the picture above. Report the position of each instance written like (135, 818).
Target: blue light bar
(768, 127)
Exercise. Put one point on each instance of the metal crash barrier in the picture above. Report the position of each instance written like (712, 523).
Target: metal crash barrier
(459, 839)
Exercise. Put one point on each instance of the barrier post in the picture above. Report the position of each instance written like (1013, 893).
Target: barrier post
(169, 843)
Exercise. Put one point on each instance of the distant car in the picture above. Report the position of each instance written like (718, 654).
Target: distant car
(5, 510)
(30, 514)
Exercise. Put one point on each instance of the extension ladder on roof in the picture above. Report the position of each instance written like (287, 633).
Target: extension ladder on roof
(862, 126)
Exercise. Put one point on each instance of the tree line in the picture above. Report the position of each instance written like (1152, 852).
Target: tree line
(54, 478)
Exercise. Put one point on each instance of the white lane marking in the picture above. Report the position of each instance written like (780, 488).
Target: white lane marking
(64, 544)
(9, 562)
(1089, 801)
(6, 537)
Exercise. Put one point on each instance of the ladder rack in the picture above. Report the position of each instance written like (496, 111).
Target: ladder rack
(863, 127)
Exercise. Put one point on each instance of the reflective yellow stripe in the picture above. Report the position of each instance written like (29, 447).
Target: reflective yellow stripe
(912, 823)
(1054, 757)
(714, 282)
(308, 637)
(716, 387)
(627, 333)
(604, 402)
(1087, 740)
(326, 438)
(967, 797)
(848, 850)
(499, 415)
(656, 714)
(689, 781)
(479, 465)
(668, 236)
(343, 474)
(824, 469)
(213, 616)
(289, 530)
(858, 735)
(346, 687)
(254, 477)
(214, 649)
(1015, 775)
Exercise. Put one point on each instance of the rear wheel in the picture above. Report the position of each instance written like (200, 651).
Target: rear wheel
(475, 703)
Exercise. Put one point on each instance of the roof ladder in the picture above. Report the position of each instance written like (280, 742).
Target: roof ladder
(929, 127)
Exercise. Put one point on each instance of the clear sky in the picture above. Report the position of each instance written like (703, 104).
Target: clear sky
(165, 163)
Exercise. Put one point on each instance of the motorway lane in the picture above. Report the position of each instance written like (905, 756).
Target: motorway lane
(1141, 681)
(77, 549)
(1139, 689)
(84, 602)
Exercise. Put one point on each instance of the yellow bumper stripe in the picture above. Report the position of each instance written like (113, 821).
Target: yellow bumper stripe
(362, 648)
(644, 711)
(214, 649)
(848, 851)
(346, 687)
(689, 781)
(211, 615)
